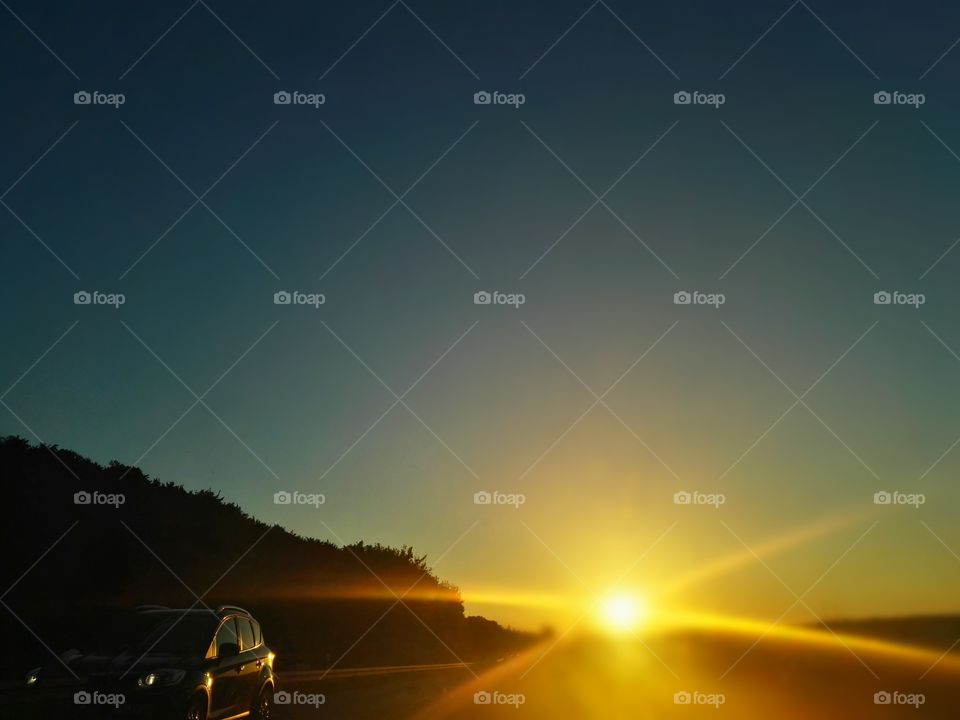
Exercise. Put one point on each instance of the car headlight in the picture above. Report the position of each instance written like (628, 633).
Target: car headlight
(160, 678)
(33, 676)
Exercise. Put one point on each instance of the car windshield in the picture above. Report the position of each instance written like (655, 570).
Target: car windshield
(158, 633)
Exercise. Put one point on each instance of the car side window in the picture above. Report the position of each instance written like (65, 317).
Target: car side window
(257, 636)
(227, 634)
(246, 633)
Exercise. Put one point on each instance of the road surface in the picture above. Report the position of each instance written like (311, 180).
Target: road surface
(681, 676)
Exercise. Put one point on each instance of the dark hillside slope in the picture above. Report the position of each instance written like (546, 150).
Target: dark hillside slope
(163, 543)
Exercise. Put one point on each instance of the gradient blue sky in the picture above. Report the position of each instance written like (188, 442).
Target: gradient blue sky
(399, 99)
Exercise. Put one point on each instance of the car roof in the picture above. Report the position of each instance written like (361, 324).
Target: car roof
(220, 612)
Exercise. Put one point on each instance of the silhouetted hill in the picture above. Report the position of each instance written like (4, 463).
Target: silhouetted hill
(937, 632)
(316, 600)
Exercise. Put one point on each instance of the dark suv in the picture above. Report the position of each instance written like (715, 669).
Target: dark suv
(162, 663)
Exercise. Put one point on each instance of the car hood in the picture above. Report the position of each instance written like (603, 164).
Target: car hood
(105, 666)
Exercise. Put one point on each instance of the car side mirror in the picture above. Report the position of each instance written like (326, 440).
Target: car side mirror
(228, 650)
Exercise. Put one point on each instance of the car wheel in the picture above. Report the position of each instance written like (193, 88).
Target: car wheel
(197, 709)
(263, 710)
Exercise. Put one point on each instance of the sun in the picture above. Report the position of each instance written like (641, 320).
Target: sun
(623, 612)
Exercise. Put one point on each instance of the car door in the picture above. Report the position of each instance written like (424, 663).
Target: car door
(248, 673)
(225, 692)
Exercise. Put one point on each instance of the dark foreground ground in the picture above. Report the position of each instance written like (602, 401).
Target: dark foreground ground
(611, 679)
(705, 675)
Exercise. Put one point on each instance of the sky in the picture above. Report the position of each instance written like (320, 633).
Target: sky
(398, 198)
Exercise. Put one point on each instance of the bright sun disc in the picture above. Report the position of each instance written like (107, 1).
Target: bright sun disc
(623, 612)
